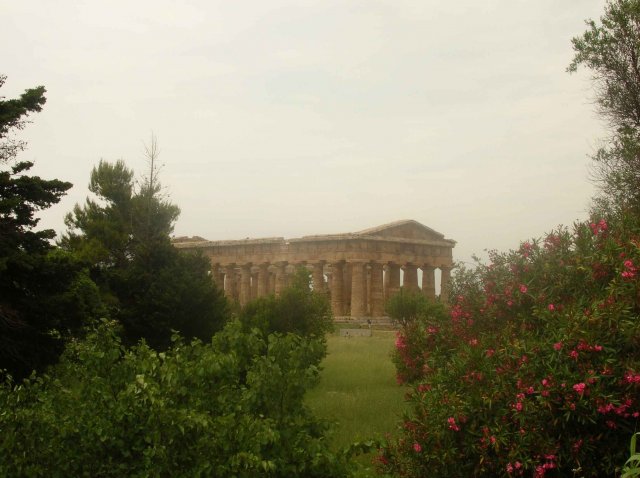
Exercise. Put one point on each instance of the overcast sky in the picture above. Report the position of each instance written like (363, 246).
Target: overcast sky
(289, 118)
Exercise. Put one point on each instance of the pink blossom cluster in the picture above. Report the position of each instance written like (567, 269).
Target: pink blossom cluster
(552, 241)
(632, 377)
(549, 464)
(579, 388)
(517, 467)
(453, 425)
(582, 345)
(400, 343)
(630, 269)
(599, 227)
(424, 387)
(621, 410)
(525, 249)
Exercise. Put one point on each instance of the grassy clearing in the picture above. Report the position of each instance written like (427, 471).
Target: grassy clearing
(358, 389)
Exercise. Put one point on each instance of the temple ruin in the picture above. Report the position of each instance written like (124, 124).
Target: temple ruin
(360, 269)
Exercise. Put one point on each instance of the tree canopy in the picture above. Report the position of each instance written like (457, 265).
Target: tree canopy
(44, 294)
(610, 49)
(122, 233)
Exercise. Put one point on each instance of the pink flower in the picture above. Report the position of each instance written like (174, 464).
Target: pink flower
(574, 355)
(579, 388)
(417, 448)
(523, 288)
(551, 307)
(490, 352)
(424, 387)
(557, 346)
(452, 424)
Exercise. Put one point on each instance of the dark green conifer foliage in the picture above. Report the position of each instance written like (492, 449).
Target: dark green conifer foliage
(124, 234)
(44, 294)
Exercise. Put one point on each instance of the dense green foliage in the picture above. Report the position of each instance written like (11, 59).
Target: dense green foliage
(297, 310)
(233, 407)
(149, 286)
(406, 307)
(45, 295)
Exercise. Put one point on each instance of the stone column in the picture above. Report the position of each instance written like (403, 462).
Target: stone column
(393, 282)
(245, 284)
(358, 290)
(337, 303)
(216, 275)
(429, 282)
(254, 285)
(263, 280)
(230, 282)
(281, 277)
(410, 282)
(318, 277)
(445, 280)
(346, 285)
(377, 298)
(272, 282)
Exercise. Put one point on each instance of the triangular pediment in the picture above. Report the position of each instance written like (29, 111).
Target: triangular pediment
(405, 229)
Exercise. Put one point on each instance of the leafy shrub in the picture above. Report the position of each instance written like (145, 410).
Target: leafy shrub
(632, 466)
(406, 306)
(297, 310)
(233, 407)
(416, 315)
(536, 371)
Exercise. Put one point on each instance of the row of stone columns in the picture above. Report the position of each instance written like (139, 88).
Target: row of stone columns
(357, 288)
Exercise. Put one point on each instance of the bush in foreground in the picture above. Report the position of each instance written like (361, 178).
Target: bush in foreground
(229, 408)
(536, 372)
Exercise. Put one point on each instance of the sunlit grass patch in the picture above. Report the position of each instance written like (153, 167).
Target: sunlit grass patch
(358, 389)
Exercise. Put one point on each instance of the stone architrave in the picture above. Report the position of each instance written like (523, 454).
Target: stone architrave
(376, 296)
(337, 289)
(358, 290)
(410, 281)
(429, 282)
(394, 244)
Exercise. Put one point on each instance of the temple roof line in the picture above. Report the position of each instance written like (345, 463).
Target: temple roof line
(403, 231)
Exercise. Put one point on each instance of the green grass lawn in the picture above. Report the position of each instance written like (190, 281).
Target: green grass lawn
(358, 389)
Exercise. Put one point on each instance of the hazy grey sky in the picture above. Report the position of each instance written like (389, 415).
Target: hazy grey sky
(288, 118)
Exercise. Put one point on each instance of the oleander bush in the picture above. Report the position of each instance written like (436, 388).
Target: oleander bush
(232, 407)
(536, 369)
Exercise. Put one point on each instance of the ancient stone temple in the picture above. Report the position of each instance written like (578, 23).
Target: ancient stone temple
(360, 269)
